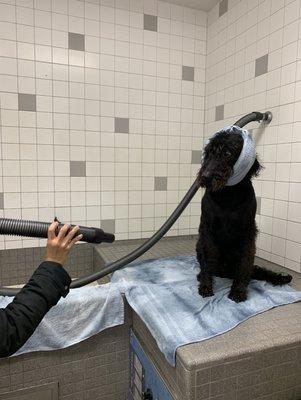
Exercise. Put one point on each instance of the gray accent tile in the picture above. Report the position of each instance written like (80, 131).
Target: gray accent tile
(196, 156)
(187, 73)
(258, 199)
(150, 22)
(1, 201)
(121, 125)
(219, 112)
(160, 183)
(27, 102)
(261, 65)
(77, 168)
(76, 41)
(108, 225)
(223, 7)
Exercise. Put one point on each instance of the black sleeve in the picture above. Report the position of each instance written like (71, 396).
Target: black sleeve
(20, 318)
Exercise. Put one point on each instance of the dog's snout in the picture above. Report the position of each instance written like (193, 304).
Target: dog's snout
(206, 178)
(206, 174)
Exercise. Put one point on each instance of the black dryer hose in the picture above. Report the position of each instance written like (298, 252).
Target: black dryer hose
(19, 227)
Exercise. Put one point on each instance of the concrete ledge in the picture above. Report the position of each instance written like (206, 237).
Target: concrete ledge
(259, 359)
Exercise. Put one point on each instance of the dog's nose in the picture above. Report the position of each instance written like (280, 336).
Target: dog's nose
(206, 179)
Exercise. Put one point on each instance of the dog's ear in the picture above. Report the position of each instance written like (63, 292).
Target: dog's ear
(255, 169)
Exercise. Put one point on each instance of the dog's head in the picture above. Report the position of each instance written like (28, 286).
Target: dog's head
(219, 157)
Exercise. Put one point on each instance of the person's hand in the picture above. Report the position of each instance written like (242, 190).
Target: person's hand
(59, 246)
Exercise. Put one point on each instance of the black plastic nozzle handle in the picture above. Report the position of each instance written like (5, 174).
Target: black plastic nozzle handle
(19, 227)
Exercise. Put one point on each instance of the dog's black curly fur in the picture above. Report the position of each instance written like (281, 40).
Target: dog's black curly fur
(227, 231)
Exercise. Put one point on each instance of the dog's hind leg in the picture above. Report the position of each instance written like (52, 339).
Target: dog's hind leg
(262, 274)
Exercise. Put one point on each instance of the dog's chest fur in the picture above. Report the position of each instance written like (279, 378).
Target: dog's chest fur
(229, 215)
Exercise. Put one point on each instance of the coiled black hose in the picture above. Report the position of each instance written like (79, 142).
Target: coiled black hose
(37, 229)
(254, 116)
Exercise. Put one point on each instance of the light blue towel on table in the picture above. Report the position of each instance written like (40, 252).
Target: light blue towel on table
(164, 293)
(83, 313)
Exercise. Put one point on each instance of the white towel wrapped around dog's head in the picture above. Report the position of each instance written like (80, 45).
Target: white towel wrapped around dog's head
(247, 156)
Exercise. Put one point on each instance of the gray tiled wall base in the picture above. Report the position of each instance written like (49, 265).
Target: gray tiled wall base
(98, 368)
(48, 391)
(273, 373)
(17, 265)
(259, 359)
(94, 369)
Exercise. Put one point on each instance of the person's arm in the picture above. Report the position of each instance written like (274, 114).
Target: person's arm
(49, 282)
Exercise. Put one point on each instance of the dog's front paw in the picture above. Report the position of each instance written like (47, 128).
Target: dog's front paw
(238, 295)
(206, 291)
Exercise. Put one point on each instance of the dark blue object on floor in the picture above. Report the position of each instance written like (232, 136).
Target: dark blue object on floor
(145, 382)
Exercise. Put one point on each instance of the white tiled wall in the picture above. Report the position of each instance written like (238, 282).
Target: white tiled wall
(112, 134)
(102, 113)
(238, 78)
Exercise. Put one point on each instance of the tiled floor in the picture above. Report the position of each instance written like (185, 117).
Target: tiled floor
(166, 247)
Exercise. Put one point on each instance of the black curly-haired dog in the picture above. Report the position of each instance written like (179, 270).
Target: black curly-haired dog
(227, 231)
